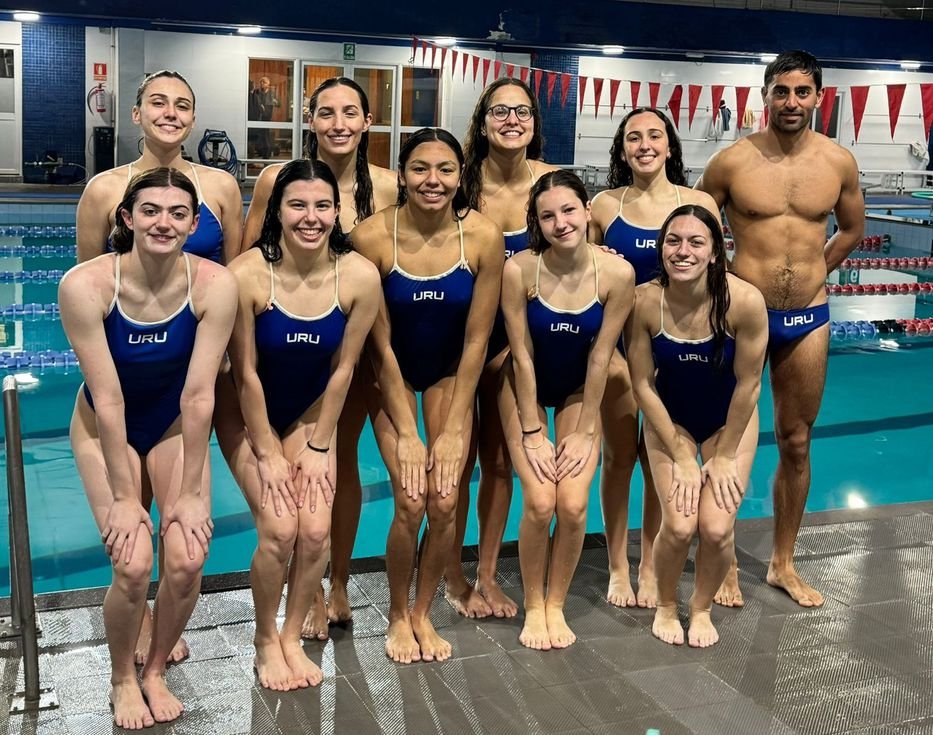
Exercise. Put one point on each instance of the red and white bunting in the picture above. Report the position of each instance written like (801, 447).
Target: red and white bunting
(859, 100)
(424, 51)
(654, 89)
(510, 70)
(716, 91)
(895, 97)
(597, 93)
(486, 63)
(414, 48)
(476, 61)
(537, 74)
(551, 79)
(673, 104)
(466, 56)
(613, 91)
(693, 99)
(826, 107)
(926, 99)
(443, 57)
(635, 87)
(497, 70)
(581, 90)
(433, 54)
(564, 88)
(453, 62)
(741, 102)
(523, 74)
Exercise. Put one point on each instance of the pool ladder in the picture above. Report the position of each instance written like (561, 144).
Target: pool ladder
(22, 621)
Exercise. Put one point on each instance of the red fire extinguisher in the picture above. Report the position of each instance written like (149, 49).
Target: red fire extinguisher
(97, 99)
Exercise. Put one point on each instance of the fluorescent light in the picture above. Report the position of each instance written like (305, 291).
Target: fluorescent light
(249, 30)
(613, 50)
(694, 55)
(445, 41)
(910, 65)
(25, 16)
(768, 58)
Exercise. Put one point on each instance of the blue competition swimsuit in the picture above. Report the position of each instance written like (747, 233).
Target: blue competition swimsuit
(695, 392)
(786, 326)
(561, 341)
(208, 240)
(515, 242)
(428, 316)
(152, 361)
(295, 355)
(638, 245)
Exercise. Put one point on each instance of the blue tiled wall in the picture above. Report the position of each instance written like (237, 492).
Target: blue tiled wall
(558, 123)
(53, 91)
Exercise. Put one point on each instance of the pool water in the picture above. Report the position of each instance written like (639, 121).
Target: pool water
(871, 446)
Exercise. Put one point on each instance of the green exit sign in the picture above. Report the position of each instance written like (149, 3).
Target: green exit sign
(349, 52)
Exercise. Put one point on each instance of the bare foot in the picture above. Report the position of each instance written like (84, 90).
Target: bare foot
(701, 633)
(305, 672)
(401, 645)
(666, 625)
(534, 633)
(338, 606)
(129, 707)
(557, 629)
(466, 600)
(729, 594)
(620, 591)
(433, 647)
(647, 596)
(164, 706)
(501, 604)
(271, 668)
(315, 625)
(799, 591)
(179, 652)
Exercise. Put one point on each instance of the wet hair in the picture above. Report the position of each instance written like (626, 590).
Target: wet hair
(716, 283)
(795, 61)
(620, 173)
(363, 185)
(476, 144)
(551, 180)
(429, 135)
(301, 169)
(162, 73)
(121, 239)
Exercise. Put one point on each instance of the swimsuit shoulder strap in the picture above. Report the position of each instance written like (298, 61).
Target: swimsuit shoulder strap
(538, 276)
(116, 282)
(196, 181)
(463, 260)
(337, 281)
(395, 240)
(531, 172)
(661, 330)
(677, 190)
(188, 276)
(622, 199)
(595, 270)
(271, 284)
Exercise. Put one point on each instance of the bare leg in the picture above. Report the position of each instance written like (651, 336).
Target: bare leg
(650, 525)
(798, 374)
(620, 417)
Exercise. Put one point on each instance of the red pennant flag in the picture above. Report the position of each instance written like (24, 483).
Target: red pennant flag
(463, 75)
(414, 48)
(523, 73)
(859, 100)
(551, 79)
(673, 104)
(741, 102)
(581, 90)
(424, 51)
(537, 77)
(895, 97)
(497, 69)
(693, 93)
(453, 62)
(510, 70)
(443, 58)
(564, 88)
(635, 87)
(717, 90)
(654, 89)
(597, 93)
(475, 67)
(485, 71)
(613, 91)
(826, 107)
(926, 98)
(433, 54)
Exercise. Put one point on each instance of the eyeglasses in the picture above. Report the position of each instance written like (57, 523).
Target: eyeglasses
(501, 112)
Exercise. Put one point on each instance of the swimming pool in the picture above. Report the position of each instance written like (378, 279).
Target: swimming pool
(871, 443)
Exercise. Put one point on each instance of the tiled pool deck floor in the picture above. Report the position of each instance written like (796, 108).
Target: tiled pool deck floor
(861, 664)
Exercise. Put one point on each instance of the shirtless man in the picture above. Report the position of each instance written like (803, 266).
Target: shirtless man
(778, 188)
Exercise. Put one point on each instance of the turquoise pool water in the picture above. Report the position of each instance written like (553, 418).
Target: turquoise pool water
(871, 444)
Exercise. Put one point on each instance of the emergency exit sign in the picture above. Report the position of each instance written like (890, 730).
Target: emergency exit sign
(349, 52)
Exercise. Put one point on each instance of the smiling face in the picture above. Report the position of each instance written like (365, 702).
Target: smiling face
(646, 144)
(562, 217)
(510, 133)
(791, 99)
(165, 112)
(687, 249)
(161, 220)
(339, 121)
(431, 175)
(308, 213)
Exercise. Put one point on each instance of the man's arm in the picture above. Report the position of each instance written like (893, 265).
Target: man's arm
(850, 216)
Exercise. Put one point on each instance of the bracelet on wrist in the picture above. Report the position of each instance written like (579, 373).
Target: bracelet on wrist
(320, 450)
(529, 432)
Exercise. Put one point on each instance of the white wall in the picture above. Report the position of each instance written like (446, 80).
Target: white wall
(11, 113)
(874, 149)
(99, 45)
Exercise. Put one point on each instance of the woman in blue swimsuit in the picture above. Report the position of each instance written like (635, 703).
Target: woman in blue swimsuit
(307, 302)
(565, 302)
(502, 149)
(696, 351)
(647, 180)
(149, 324)
(441, 267)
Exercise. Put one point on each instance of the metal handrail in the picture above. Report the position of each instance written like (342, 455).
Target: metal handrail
(22, 601)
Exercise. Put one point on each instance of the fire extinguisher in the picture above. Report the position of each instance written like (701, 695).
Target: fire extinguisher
(97, 99)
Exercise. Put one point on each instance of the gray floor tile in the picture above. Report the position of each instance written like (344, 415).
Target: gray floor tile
(740, 716)
(574, 664)
(665, 722)
(485, 676)
(226, 713)
(677, 687)
(45, 722)
(332, 706)
(603, 701)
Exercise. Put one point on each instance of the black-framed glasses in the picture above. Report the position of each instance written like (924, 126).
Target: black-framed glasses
(501, 112)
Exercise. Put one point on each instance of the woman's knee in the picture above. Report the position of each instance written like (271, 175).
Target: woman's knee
(313, 537)
(679, 530)
(539, 510)
(132, 579)
(571, 511)
(442, 510)
(409, 512)
(181, 568)
(277, 537)
(716, 533)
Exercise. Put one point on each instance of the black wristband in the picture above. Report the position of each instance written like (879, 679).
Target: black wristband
(531, 431)
(313, 448)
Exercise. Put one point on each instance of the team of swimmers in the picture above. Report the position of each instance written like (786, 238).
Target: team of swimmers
(502, 295)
